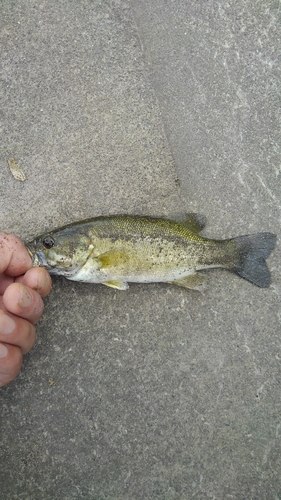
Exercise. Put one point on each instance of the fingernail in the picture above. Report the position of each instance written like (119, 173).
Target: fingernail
(3, 351)
(25, 299)
(7, 324)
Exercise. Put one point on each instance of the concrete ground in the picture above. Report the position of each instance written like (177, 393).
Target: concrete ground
(149, 108)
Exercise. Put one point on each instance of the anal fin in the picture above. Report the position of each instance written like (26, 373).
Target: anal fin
(193, 281)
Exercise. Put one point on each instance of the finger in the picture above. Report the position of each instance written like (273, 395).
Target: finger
(5, 281)
(38, 279)
(10, 362)
(17, 331)
(14, 258)
(24, 302)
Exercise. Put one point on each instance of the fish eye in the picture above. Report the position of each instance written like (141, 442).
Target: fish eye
(48, 242)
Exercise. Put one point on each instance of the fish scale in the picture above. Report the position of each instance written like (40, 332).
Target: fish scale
(118, 249)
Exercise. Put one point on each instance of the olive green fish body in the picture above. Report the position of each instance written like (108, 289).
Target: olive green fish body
(115, 250)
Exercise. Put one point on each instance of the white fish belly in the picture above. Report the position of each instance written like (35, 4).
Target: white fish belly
(89, 274)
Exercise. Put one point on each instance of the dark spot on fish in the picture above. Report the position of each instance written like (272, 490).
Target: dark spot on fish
(72, 248)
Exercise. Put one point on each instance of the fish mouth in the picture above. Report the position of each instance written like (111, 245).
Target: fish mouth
(41, 258)
(38, 258)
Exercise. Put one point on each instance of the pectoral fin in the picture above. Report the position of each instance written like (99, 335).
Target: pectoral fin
(119, 285)
(193, 281)
(112, 258)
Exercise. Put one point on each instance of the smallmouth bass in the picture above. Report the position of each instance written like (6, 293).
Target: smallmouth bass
(118, 249)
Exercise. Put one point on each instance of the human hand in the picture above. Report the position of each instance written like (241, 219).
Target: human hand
(21, 290)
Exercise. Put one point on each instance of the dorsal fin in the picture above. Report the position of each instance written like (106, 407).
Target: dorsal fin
(193, 222)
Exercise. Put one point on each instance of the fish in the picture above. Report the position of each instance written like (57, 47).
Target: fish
(118, 249)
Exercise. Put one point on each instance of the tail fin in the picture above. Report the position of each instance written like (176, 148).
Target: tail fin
(253, 250)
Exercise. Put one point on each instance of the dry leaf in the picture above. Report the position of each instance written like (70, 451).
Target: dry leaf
(16, 171)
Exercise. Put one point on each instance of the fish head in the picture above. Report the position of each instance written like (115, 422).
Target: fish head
(60, 252)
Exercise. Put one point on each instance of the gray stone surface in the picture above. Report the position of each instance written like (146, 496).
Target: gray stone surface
(216, 71)
(79, 117)
(156, 392)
